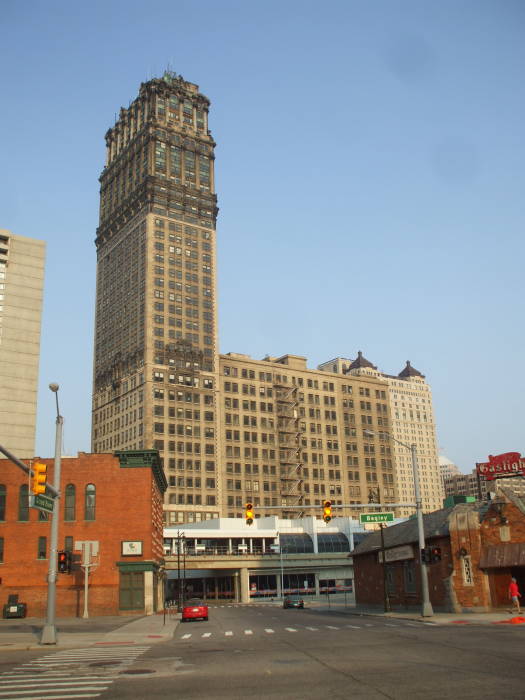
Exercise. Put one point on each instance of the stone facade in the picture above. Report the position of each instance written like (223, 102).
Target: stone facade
(21, 292)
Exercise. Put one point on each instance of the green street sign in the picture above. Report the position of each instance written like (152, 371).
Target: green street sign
(375, 518)
(42, 502)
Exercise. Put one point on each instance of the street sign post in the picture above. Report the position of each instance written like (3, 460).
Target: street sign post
(42, 502)
(365, 518)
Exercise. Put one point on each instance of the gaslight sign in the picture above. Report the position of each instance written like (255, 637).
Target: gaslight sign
(506, 464)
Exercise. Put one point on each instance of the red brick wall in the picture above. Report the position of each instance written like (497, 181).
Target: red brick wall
(368, 576)
(127, 508)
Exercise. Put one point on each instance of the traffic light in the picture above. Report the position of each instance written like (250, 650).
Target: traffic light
(426, 555)
(64, 562)
(39, 478)
(327, 511)
(435, 554)
(249, 513)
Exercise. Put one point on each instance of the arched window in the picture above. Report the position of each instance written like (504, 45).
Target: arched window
(23, 503)
(89, 502)
(2, 501)
(69, 506)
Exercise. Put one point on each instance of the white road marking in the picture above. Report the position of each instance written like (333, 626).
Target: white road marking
(331, 627)
(290, 629)
(313, 629)
(354, 627)
(248, 632)
(269, 631)
(186, 636)
(207, 634)
(229, 633)
(368, 625)
(387, 625)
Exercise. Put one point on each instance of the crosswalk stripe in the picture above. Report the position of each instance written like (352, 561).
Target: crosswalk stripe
(331, 627)
(269, 631)
(387, 625)
(290, 629)
(229, 633)
(186, 636)
(11, 693)
(248, 632)
(368, 625)
(69, 696)
(207, 634)
(313, 629)
(354, 627)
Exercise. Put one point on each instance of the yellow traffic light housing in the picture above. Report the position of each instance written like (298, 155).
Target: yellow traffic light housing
(249, 515)
(39, 478)
(327, 511)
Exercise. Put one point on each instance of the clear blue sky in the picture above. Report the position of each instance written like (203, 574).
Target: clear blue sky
(369, 173)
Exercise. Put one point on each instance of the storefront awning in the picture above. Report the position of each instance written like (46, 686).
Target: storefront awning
(498, 556)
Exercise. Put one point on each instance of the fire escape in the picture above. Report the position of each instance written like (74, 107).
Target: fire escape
(289, 446)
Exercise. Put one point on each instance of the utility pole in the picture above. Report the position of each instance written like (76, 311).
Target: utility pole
(49, 632)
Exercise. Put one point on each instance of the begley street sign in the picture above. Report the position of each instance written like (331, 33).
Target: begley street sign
(42, 502)
(375, 518)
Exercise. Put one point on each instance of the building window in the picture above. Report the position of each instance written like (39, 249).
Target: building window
(69, 507)
(409, 571)
(2, 501)
(42, 548)
(89, 502)
(23, 503)
(466, 565)
(68, 543)
(390, 578)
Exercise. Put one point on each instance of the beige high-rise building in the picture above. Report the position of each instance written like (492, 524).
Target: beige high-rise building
(230, 429)
(21, 293)
(412, 422)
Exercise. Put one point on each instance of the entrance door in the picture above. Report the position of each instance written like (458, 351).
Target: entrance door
(131, 590)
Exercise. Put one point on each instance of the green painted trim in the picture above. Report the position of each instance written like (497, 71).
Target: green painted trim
(130, 459)
(138, 565)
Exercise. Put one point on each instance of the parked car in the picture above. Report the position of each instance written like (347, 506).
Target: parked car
(293, 601)
(194, 609)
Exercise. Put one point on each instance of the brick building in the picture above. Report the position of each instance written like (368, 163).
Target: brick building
(482, 546)
(115, 500)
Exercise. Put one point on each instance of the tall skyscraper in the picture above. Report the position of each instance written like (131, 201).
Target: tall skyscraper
(156, 327)
(21, 292)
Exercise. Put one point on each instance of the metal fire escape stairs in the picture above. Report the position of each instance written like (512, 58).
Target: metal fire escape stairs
(289, 446)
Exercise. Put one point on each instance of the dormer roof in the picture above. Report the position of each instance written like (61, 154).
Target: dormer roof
(361, 362)
(409, 371)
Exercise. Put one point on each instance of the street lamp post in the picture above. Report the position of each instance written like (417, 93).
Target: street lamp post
(282, 569)
(49, 630)
(426, 608)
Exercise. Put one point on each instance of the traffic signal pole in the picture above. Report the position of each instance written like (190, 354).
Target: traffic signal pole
(49, 631)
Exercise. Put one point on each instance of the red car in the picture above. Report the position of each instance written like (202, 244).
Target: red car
(194, 609)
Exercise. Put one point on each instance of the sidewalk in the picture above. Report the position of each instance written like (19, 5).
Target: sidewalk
(75, 632)
(501, 616)
(337, 604)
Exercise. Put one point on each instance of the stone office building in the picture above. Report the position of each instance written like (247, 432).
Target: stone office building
(228, 428)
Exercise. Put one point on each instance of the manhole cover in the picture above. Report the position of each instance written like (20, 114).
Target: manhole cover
(136, 671)
(100, 664)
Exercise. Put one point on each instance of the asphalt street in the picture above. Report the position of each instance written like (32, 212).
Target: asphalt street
(268, 652)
